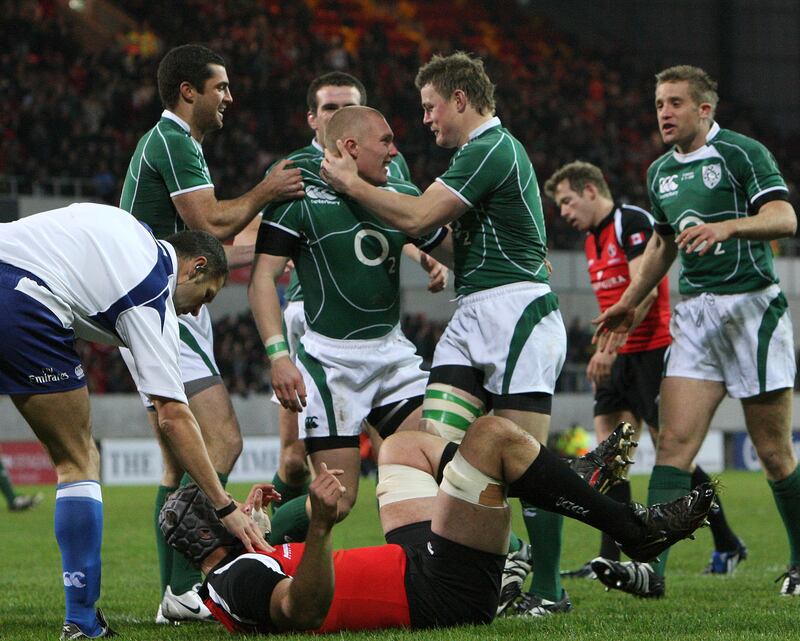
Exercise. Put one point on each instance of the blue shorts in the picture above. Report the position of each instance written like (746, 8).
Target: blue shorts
(37, 353)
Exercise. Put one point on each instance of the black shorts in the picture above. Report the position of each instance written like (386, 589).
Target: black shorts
(447, 583)
(634, 386)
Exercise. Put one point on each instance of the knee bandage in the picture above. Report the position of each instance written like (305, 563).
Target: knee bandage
(463, 481)
(448, 412)
(402, 483)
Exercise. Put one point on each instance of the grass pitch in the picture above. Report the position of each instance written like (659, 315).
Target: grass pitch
(746, 606)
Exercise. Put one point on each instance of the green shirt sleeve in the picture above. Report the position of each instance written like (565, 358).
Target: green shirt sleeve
(181, 165)
(754, 168)
(477, 170)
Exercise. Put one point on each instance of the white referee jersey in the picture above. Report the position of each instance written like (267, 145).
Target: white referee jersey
(108, 279)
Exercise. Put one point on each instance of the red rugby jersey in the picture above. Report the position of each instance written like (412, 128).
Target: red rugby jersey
(620, 237)
(369, 590)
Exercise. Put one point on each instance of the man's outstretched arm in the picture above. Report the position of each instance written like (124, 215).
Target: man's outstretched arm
(414, 215)
(303, 602)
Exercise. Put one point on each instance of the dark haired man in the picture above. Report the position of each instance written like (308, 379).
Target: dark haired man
(95, 272)
(505, 345)
(168, 186)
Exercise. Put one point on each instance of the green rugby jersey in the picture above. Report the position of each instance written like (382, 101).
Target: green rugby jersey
(731, 176)
(167, 162)
(501, 238)
(397, 169)
(347, 260)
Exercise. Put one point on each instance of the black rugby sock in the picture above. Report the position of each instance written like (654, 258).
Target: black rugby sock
(621, 493)
(550, 484)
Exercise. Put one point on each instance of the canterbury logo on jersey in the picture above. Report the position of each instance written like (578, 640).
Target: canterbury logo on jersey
(319, 194)
(668, 185)
(74, 580)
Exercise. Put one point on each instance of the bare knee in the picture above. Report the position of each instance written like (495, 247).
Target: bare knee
(403, 448)
(676, 449)
(778, 462)
(78, 464)
(293, 464)
(489, 433)
(225, 447)
(346, 503)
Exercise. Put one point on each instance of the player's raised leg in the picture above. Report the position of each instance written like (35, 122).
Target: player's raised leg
(472, 495)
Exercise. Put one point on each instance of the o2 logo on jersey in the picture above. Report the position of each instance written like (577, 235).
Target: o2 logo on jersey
(382, 243)
(668, 184)
(691, 221)
(712, 175)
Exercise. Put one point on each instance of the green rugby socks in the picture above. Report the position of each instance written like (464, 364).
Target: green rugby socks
(667, 483)
(787, 499)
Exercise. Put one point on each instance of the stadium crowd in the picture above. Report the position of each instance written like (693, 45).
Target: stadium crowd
(68, 111)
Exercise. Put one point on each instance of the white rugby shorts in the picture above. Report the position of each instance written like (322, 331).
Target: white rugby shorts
(514, 334)
(346, 379)
(744, 341)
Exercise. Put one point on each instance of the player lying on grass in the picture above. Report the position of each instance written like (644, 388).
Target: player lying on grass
(446, 543)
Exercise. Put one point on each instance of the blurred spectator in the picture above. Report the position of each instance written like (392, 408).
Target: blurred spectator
(69, 112)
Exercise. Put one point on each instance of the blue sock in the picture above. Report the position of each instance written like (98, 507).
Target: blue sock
(79, 532)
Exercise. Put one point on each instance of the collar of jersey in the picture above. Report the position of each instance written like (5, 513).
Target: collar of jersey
(317, 146)
(699, 153)
(169, 115)
(173, 256)
(606, 220)
(492, 122)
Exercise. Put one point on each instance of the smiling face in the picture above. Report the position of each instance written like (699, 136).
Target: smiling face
(209, 105)
(440, 115)
(330, 99)
(681, 121)
(375, 150)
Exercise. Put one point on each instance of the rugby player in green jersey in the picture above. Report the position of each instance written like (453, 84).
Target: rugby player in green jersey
(353, 363)
(506, 343)
(627, 382)
(326, 94)
(718, 198)
(168, 187)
